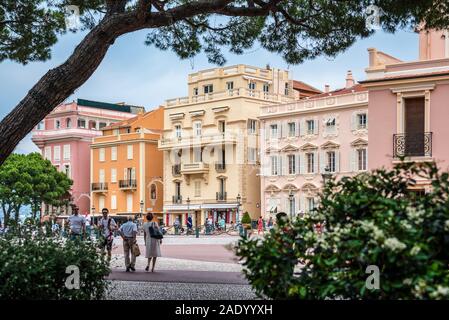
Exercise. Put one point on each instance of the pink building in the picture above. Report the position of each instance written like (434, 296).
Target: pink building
(302, 140)
(65, 135)
(408, 104)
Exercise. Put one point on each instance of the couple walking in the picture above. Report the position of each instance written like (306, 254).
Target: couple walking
(128, 232)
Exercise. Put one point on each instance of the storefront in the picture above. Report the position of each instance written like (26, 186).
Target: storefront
(180, 213)
(227, 211)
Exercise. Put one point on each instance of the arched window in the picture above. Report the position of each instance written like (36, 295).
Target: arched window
(153, 192)
(68, 123)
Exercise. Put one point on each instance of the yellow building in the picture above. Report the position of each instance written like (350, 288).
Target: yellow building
(126, 174)
(210, 141)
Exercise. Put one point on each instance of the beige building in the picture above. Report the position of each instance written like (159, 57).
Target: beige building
(210, 141)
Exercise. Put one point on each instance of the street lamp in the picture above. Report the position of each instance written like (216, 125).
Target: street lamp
(290, 198)
(239, 199)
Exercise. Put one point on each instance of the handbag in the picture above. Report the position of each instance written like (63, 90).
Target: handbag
(155, 232)
(136, 249)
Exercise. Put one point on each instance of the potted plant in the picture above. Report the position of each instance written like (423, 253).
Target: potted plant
(246, 221)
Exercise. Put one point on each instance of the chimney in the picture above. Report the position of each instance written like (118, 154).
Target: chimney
(326, 88)
(349, 80)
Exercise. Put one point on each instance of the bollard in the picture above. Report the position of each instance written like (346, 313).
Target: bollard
(197, 232)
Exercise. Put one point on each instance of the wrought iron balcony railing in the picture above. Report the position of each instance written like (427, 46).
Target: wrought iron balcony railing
(128, 184)
(220, 167)
(100, 186)
(177, 199)
(412, 145)
(221, 196)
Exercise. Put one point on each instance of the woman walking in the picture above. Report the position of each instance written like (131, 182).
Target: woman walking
(153, 249)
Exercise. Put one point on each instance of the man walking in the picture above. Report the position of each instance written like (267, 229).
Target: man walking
(107, 227)
(128, 231)
(77, 224)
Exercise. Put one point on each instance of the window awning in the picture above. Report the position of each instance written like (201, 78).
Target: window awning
(219, 205)
(181, 207)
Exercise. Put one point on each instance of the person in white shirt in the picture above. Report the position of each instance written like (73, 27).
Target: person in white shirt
(128, 231)
(77, 224)
(107, 227)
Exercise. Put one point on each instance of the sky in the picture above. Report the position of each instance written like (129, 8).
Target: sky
(141, 75)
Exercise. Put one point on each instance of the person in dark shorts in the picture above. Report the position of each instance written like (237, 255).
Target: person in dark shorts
(107, 227)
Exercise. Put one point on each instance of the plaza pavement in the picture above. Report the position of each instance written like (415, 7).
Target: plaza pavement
(190, 268)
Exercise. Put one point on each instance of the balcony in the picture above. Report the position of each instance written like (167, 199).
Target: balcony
(221, 196)
(177, 199)
(220, 167)
(128, 184)
(176, 170)
(194, 168)
(206, 139)
(99, 187)
(412, 145)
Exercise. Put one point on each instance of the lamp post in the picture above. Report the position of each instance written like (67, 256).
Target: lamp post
(141, 208)
(93, 220)
(239, 199)
(290, 198)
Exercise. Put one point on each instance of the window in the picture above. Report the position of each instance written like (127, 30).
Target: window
(330, 163)
(291, 164)
(130, 152)
(82, 123)
(113, 153)
(222, 186)
(195, 91)
(47, 153)
(67, 171)
(101, 202)
(101, 176)
(252, 85)
(197, 188)
(286, 90)
(209, 88)
(310, 157)
(197, 128)
(222, 126)
(330, 125)
(178, 131)
(291, 129)
(153, 192)
(178, 189)
(230, 85)
(41, 125)
(102, 125)
(197, 154)
(252, 155)
(274, 133)
(113, 175)
(116, 132)
(67, 152)
(361, 159)
(361, 121)
(113, 202)
(102, 154)
(291, 206)
(57, 153)
(252, 126)
(274, 165)
(68, 123)
(310, 126)
(310, 204)
(266, 88)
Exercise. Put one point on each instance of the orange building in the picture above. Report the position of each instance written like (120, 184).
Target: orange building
(127, 167)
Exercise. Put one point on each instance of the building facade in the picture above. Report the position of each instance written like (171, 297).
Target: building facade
(64, 137)
(127, 167)
(211, 144)
(408, 105)
(302, 140)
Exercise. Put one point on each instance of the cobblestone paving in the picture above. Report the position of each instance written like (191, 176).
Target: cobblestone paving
(131, 290)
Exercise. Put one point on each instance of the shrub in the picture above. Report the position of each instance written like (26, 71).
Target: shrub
(33, 266)
(370, 219)
(246, 218)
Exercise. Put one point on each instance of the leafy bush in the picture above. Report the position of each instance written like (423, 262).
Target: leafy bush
(246, 218)
(33, 266)
(370, 219)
